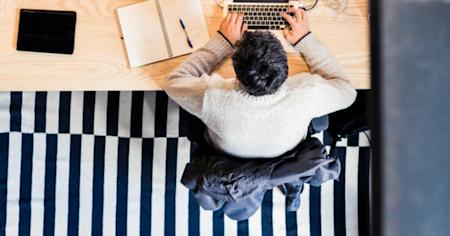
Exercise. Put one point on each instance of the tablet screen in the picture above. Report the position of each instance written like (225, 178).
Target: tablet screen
(46, 31)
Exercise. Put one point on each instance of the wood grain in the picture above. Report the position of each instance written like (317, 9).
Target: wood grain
(99, 61)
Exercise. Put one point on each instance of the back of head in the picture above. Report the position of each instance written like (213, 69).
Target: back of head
(260, 63)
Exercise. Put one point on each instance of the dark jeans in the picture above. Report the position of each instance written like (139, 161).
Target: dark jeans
(318, 125)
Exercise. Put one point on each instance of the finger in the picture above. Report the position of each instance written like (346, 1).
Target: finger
(304, 15)
(225, 20)
(244, 28)
(228, 17)
(240, 20)
(288, 18)
(286, 33)
(297, 13)
(306, 18)
(234, 17)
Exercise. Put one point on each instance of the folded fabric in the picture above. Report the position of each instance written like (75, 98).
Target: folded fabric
(238, 185)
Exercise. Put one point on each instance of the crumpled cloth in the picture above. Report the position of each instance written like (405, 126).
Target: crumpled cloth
(238, 185)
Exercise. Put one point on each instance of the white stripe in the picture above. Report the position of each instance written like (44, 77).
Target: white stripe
(76, 113)
(110, 181)
(148, 116)
(173, 119)
(327, 208)
(62, 184)
(363, 140)
(351, 191)
(124, 114)
(28, 104)
(5, 100)
(134, 187)
(38, 184)
(278, 212)
(303, 213)
(158, 183)
(86, 178)
(206, 224)
(254, 224)
(230, 226)
(100, 113)
(342, 143)
(52, 113)
(182, 193)
(13, 193)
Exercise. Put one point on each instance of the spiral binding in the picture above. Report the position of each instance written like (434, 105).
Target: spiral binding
(164, 28)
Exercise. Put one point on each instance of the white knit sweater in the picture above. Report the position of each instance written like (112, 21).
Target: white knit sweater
(247, 126)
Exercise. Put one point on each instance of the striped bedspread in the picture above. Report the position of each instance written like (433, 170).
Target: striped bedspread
(109, 163)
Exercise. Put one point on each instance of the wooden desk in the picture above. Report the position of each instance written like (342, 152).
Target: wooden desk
(99, 61)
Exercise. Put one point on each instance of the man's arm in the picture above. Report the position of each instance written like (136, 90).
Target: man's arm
(187, 84)
(332, 90)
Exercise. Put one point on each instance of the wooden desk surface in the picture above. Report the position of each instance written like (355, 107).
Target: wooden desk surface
(99, 61)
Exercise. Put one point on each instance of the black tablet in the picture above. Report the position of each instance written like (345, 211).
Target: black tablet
(46, 31)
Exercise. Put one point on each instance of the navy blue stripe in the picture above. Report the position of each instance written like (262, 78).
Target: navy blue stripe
(4, 153)
(88, 112)
(314, 211)
(353, 140)
(194, 215)
(183, 123)
(291, 223)
(50, 184)
(15, 110)
(194, 208)
(137, 107)
(339, 195)
(327, 140)
(122, 186)
(161, 114)
(243, 228)
(266, 214)
(64, 112)
(112, 124)
(40, 109)
(74, 185)
(26, 168)
(97, 187)
(218, 223)
(146, 186)
(363, 191)
(171, 182)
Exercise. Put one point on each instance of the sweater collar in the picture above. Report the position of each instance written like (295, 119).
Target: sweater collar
(282, 91)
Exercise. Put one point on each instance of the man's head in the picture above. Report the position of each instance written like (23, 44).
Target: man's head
(260, 63)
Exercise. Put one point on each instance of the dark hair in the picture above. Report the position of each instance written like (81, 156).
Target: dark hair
(260, 63)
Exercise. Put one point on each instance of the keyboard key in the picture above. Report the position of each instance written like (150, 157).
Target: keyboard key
(265, 27)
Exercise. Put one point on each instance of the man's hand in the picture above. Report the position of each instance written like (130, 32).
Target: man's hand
(299, 25)
(233, 27)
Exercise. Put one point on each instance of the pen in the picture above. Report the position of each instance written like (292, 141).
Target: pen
(187, 36)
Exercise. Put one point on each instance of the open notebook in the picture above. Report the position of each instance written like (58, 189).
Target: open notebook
(152, 31)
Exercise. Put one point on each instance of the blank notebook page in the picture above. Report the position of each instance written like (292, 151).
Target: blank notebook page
(142, 33)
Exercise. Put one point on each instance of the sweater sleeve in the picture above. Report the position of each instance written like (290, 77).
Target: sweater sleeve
(187, 84)
(331, 90)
